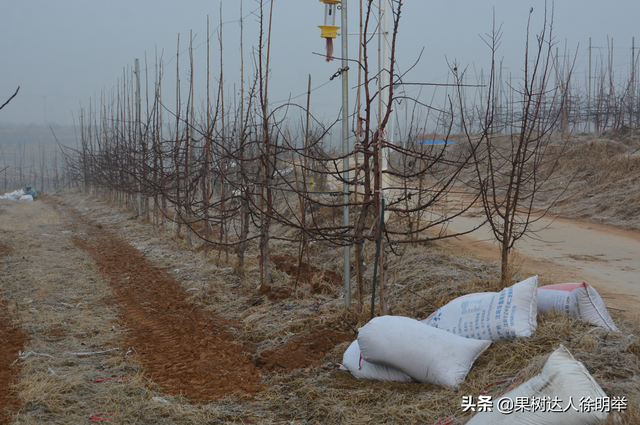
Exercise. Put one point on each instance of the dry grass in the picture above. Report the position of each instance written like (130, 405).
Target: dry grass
(425, 277)
(329, 396)
(55, 293)
(604, 180)
(596, 178)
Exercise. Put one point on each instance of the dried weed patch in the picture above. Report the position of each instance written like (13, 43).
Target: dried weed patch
(425, 277)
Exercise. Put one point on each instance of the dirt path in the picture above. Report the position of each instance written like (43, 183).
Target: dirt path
(607, 258)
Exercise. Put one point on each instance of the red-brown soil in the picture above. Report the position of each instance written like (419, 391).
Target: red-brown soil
(321, 281)
(12, 340)
(185, 350)
(303, 350)
(273, 294)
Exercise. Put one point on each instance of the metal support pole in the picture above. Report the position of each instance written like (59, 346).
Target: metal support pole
(633, 76)
(345, 152)
(385, 75)
(589, 95)
(138, 141)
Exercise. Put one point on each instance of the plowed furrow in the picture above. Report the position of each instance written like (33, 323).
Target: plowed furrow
(185, 350)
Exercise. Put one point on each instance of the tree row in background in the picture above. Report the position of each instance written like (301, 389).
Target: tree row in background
(233, 174)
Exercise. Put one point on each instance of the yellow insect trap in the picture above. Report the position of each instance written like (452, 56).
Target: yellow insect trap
(329, 29)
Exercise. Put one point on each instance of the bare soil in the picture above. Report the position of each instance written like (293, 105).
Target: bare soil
(302, 351)
(12, 340)
(321, 281)
(185, 350)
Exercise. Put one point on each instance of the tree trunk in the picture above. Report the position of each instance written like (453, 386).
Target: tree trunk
(505, 275)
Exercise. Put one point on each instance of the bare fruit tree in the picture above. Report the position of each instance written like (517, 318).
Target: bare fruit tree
(513, 169)
(411, 187)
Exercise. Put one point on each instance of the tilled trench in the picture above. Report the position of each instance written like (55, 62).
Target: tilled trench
(185, 350)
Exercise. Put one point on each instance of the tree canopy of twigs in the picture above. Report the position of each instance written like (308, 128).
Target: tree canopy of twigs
(225, 174)
(513, 168)
(237, 175)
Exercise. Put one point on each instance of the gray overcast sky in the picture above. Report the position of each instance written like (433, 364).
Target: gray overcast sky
(62, 53)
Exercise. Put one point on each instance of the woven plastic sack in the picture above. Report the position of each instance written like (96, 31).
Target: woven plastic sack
(563, 379)
(493, 316)
(15, 195)
(360, 368)
(578, 300)
(426, 354)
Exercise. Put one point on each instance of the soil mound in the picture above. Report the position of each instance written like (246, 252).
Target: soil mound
(273, 294)
(304, 350)
(321, 281)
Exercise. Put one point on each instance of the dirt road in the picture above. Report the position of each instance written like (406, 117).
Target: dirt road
(606, 257)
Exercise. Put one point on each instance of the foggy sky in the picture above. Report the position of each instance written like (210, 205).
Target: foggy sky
(62, 53)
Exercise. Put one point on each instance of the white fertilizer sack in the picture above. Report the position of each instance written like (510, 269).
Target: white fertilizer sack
(426, 354)
(493, 316)
(360, 368)
(578, 300)
(15, 195)
(565, 389)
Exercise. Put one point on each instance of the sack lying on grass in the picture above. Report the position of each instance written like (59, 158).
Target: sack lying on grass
(562, 379)
(492, 316)
(578, 300)
(26, 194)
(360, 368)
(15, 195)
(426, 354)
